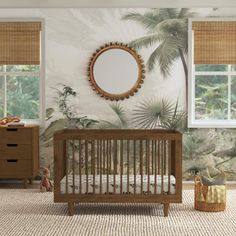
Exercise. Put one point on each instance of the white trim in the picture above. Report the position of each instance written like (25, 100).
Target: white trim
(5, 95)
(192, 122)
(41, 73)
(229, 92)
(190, 20)
(22, 19)
(226, 73)
(114, 3)
(213, 124)
(19, 73)
(190, 76)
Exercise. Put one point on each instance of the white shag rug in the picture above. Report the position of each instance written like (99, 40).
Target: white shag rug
(29, 212)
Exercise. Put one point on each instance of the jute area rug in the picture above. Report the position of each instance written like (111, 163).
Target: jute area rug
(29, 212)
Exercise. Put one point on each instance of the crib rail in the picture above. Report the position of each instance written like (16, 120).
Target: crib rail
(131, 163)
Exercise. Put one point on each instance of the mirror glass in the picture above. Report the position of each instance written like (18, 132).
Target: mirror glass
(116, 72)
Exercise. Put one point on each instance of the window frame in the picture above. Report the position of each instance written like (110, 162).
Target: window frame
(192, 122)
(41, 73)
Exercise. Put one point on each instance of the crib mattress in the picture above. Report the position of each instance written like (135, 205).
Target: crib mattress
(109, 190)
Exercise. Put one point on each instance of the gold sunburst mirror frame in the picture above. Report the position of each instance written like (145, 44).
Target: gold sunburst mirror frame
(116, 71)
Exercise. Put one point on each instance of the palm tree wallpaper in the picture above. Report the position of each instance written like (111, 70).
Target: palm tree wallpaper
(167, 29)
(160, 36)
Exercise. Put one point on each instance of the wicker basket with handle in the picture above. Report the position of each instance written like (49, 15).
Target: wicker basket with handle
(209, 198)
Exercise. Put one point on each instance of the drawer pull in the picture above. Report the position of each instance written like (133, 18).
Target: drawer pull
(12, 129)
(13, 160)
(12, 145)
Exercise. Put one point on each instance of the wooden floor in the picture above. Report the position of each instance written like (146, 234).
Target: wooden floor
(19, 184)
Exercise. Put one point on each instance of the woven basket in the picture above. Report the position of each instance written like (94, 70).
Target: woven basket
(201, 194)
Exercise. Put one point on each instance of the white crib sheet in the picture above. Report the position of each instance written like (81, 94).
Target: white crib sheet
(117, 187)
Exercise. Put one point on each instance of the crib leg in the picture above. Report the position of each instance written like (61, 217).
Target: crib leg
(166, 209)
(71, 208)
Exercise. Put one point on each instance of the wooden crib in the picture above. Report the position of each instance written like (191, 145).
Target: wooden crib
(117, 166)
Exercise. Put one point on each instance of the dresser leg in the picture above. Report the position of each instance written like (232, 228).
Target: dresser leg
(25, 183)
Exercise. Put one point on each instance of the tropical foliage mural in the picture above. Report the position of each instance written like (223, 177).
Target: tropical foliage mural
(160, 36)
(167, 29)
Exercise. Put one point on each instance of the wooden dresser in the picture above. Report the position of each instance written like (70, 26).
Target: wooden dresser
(19, 152)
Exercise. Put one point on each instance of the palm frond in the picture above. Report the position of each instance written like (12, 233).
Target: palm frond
(166, 53)
(148, 20)
(120, 112)
(185, 13)
(172, 27)
(146, 41)
(172, 12)
(177, 122)
(151, 114)
(166, 13)
(121, 121)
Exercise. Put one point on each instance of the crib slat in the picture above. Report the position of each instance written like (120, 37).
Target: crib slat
(159, 157)
(162, 166)
(104, 156)
(152, 157)
(169, 164)
(93, 164)
(110, 154)
(128, 166)
(86, 164)
(121, 166)
(73, 164)
(115, 165)
(100, 164)
(134, 166)
(156, 157)
(97, 157)
(80, 167)
(141, 164)
(147, 164)
(165, 161)
(107, 166)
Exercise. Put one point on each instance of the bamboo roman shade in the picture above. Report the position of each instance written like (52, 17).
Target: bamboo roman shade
(214, 42)
(20, 43)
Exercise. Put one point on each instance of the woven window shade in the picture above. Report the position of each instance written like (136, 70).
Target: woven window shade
(214, 42)
(20, 43)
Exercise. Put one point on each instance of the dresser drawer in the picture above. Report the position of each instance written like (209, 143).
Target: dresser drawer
(15, 135)
(15, 168)
(15, 151)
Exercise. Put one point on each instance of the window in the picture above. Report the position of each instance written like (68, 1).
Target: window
(21, 70)
(212, 75)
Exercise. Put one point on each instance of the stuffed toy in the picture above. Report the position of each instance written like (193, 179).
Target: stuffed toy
(6, 120)
(45, 184)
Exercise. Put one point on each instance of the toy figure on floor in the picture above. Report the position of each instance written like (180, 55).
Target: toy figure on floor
(45, 184)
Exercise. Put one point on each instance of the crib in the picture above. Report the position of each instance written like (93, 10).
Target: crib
(117, 166)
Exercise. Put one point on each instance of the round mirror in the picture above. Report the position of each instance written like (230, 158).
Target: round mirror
(116, 71)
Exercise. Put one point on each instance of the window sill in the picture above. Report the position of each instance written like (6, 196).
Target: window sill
(212, 124)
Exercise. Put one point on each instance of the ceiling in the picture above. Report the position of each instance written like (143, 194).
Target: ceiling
(115, 3)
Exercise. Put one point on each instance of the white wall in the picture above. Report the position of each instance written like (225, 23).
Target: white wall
(116, 3)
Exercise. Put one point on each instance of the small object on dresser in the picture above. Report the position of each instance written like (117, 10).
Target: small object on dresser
(6, 120)
(13, 124)
(45, 184)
